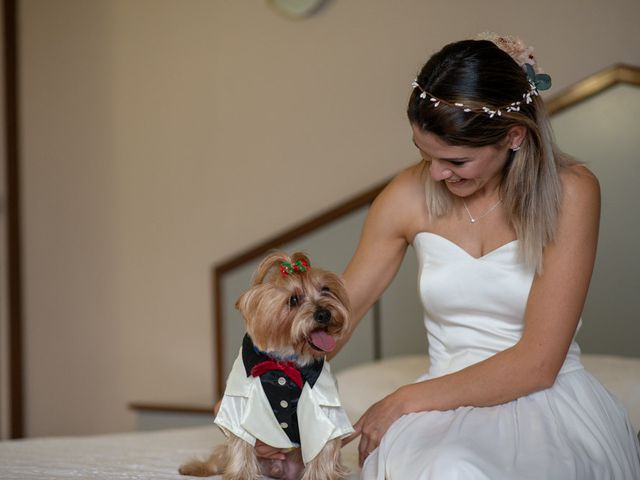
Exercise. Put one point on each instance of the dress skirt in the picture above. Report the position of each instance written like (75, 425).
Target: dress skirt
(574, 430)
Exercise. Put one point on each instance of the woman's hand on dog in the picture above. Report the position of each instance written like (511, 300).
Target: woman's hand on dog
(272, 460)
(267, 451)
(375, 422)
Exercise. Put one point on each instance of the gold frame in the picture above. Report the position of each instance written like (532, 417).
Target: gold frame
(592, 85)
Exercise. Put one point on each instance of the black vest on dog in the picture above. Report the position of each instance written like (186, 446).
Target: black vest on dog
(280, 387)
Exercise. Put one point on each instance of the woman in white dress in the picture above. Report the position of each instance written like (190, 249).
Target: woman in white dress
(505, 228)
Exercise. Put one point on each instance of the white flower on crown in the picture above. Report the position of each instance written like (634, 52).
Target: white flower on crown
(515, 47)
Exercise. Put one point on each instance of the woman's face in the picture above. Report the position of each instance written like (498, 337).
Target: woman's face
(464, 170)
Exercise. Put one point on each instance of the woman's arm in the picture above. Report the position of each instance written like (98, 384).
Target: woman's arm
(385, 236)
(553, 310)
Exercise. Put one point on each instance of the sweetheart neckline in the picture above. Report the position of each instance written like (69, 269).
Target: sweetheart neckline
(458, 247)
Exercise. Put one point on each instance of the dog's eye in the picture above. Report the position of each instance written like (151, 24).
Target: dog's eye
(293, 301)
(325, 290)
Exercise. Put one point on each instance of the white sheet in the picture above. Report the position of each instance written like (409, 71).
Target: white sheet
(157, 455)
(145, 455)
(140, 455)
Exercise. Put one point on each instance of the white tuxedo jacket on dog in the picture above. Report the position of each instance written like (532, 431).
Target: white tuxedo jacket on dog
(245, 412)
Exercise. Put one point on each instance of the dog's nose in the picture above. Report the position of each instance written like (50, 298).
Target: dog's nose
(322, 316)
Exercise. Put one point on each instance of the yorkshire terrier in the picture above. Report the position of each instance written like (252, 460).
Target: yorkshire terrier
(280, 390)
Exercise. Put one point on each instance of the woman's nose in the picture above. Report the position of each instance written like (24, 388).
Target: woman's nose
(439, 171)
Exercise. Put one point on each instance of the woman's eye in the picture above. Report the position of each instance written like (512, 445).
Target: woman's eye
(293, 301)
(456, 163)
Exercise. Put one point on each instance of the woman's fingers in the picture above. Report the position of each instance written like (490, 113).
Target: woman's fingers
(357, 430)
(216, 407)
(370, 432)
(368, 444)
(362, 451)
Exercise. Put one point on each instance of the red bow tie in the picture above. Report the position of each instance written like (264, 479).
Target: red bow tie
(288, 368)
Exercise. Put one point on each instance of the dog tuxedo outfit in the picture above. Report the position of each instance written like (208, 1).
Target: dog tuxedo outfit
(280, 404)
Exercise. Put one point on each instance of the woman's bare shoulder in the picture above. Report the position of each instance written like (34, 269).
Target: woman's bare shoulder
(580, 205)
(406, 186)
(402, 201)
(579, 183)
(410, 180)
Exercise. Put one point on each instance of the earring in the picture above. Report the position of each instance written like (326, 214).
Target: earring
(516, 148)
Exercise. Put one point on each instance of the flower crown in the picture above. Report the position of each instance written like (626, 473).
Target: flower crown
(523, 56)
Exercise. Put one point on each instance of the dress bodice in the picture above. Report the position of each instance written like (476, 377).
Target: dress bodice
(473, 307)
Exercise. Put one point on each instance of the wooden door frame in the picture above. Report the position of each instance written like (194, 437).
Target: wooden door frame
(13, 240)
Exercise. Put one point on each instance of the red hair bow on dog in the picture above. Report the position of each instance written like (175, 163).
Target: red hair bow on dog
(288, 268)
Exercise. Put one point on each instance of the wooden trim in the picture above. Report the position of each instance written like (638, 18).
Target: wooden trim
(171, 407)
(257, 251)
(218, 344)
(593, 85)
(14, 242)
(376, 320)
(297, 231)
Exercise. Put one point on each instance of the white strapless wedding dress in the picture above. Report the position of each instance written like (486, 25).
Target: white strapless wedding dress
(474, 308)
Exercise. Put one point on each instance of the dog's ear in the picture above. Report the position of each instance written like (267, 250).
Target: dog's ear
(262, 308)
(271, 261)
(248, 303)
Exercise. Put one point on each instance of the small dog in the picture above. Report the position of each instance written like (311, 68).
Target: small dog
(280, 390)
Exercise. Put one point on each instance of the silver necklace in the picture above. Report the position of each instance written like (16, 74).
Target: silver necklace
(482, 215)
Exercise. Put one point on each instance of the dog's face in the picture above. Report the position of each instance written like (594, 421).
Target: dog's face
(294, 314)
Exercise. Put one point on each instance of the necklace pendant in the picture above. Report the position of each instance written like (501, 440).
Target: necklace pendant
(474, 220)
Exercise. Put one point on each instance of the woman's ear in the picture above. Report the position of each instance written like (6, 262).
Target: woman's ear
(516, 136)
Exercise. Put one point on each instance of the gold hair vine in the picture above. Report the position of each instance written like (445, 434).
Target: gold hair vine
(490, 111)
(523, 56)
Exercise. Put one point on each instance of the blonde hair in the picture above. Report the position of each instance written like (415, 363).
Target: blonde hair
(477, 73)
(531, 189)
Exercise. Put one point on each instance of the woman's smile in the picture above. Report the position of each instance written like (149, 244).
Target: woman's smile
(481, 166)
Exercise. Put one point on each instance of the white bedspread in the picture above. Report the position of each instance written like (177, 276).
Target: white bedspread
(140, 455)
(143, 455)
(157, 455)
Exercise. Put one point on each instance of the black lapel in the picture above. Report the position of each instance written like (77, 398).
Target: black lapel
(251, 356)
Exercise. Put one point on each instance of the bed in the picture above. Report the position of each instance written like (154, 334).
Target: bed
(156, 455)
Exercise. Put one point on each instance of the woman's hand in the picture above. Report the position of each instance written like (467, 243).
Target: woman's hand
(281, 464)
(267, 451)
(375, 422)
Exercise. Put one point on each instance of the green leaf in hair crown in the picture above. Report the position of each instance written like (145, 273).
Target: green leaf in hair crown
(542, 81)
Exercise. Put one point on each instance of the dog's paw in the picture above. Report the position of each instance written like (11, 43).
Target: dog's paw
(197, 468)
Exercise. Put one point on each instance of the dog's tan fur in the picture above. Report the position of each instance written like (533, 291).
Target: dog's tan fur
(282, 327)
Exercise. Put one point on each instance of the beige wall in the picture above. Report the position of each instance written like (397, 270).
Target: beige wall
(161, 136)
(603, 132)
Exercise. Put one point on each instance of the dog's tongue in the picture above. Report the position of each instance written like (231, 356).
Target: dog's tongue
(323, 340)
